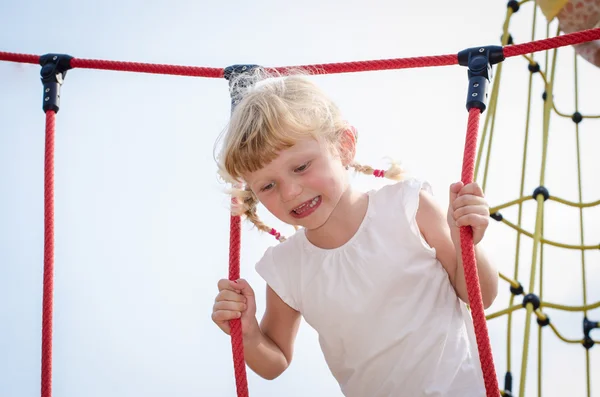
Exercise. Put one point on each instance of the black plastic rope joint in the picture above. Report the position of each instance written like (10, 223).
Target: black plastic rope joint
(53, 73)
(588, 326)
(509, 41)
(544, 322)
(541, 190)
(496, 216)
(534, 67)
(479, 61)
(508, 384)
(514, 5)
(517, 290)
(239, 78)
(577, 117)
(533, 299)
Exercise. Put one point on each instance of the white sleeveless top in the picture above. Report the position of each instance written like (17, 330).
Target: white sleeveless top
(388, 318)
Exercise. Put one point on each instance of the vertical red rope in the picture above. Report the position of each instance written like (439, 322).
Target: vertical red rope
(48, 257)
(469, 263)
(237, 341)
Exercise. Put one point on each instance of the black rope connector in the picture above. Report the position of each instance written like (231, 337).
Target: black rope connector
(588, 343)
(577, 117)
(510, 40)
(54, 70)
(514, 5)
(234, 74)
(534, 68)
(479, 60)
(496, 216)
(541, 190)
(508, 384)
(588, 326)
(544, 322)
(517, 290)
(544, 96)
(533, 299)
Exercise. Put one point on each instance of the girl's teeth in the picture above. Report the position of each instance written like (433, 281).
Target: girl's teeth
(303, 207)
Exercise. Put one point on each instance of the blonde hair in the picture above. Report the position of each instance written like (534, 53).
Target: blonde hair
(272, 112)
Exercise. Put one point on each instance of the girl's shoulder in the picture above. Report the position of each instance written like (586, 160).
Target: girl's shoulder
(404, 193)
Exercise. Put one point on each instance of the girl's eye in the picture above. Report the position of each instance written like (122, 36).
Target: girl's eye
(302, 167)
(267, 187)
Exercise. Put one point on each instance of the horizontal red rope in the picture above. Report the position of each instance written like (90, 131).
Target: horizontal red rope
(326, 68)
(194, 71)
(380, 64)
(21, 58)
(553, 42)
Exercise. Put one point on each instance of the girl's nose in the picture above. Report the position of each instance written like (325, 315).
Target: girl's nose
(290, 190)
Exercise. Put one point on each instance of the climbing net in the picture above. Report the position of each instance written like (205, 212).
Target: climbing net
(479, 61)
(533, 302)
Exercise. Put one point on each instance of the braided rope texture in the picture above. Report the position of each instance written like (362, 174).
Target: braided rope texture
(469, 263)
(237, 339)
(48, 289)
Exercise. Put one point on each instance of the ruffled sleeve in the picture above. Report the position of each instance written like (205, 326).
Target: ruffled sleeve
(279, 274)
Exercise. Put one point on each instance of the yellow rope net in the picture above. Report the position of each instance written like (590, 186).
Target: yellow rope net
(534, 303)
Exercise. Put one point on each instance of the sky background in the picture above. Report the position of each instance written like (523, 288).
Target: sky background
(141, 221)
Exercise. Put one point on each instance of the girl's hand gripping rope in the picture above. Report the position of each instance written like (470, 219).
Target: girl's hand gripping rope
(468, 207)
(235, 300)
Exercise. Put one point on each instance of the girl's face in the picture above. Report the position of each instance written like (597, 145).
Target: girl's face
(303, 185)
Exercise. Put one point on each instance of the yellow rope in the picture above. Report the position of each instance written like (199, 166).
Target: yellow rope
(571, 308)
(547, 74)
(551, 242)
(551, 198)
(538, 224)
(540, 348)
(510, 203)
(521, 190)
(572, 204)
(491, 114)
(512, 282)
(581, 234)
(501, 313)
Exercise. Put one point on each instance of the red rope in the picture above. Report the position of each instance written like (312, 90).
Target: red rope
(193, 71)
(48, 257)
(380, 64)
(554, 42)
(236, 332)
(237, 341)
(21, 58)
(469, 263)
(326, 68)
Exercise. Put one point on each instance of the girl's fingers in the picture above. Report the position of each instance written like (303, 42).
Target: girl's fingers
(228, 295)
(468, 200)
(473, 220)
(471, 209)
(229, 306)
(225, 315)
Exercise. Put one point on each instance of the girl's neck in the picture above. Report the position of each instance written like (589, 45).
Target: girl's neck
(343, 222)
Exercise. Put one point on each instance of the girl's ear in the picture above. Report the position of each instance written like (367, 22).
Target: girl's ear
(348, 145)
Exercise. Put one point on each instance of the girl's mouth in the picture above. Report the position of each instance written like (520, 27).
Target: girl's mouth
(306, 208)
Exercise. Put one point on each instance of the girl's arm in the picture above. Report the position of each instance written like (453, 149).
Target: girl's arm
(268, 348)
(434, 226)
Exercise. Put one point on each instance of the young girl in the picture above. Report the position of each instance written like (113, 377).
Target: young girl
(378, 275)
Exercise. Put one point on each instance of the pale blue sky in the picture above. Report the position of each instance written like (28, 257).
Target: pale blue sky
(141, 220)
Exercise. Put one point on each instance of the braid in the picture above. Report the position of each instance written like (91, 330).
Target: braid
(245, 203)
(395, 172)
